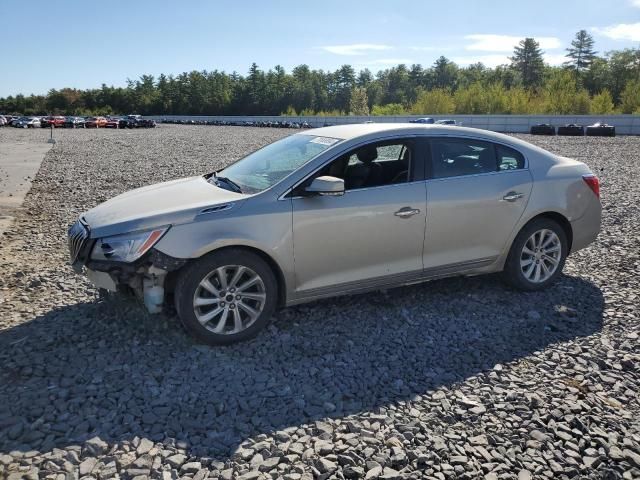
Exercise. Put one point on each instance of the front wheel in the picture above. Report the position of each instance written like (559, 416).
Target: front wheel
(226, 296)
(537, 255)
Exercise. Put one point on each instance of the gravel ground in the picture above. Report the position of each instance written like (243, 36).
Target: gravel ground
(459, 378)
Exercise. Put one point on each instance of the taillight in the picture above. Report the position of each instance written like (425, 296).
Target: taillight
(594, 184)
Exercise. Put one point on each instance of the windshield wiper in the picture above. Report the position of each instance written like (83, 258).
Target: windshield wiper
(234, 186)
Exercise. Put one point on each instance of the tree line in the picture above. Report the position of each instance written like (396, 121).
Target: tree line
(585, 83)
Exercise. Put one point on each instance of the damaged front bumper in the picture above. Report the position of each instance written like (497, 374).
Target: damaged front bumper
(146, 276)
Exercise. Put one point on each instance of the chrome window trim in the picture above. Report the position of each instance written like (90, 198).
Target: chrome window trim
(484, 174)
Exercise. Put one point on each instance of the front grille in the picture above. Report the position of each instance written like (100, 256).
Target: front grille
(78, 236)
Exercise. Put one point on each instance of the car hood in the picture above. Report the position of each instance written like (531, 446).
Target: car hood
(174, 202)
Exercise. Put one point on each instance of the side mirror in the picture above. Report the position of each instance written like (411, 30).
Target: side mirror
(326, 186)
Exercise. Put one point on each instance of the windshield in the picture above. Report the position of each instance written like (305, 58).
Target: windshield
(267, 166)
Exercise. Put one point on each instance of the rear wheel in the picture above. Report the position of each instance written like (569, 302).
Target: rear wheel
(537, 255)
(226, 296)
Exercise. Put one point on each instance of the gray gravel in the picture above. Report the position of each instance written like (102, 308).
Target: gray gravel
(459, 378)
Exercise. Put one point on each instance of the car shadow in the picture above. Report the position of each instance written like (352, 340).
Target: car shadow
(107, 369)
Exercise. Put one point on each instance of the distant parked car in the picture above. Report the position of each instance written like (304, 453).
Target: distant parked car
(74, 122)
(95, 122)
(147, 123)
(130, 121)
(27, 122)
(448, 122)
(56, 121)
(427, 120)
(112, 122)
(3, 121)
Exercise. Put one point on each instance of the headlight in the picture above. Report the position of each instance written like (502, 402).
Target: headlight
(127, 247)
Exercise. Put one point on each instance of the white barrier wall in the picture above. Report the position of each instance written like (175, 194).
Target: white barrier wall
(625, 124)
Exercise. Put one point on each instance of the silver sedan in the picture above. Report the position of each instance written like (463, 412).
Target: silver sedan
(340, 210)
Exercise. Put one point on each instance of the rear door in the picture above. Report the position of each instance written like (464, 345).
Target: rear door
(476, 193)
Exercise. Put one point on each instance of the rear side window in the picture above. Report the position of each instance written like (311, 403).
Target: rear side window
(457, 157)
(508, 158)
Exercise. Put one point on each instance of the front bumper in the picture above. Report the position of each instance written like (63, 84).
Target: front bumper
(119, 273)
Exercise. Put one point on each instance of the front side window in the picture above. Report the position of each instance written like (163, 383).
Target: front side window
(265, 167)
(374, 165)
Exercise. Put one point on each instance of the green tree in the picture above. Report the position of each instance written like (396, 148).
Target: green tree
(527, 61)
(470, 99)
(519, 101)
(581, 53)
(389, 109)
(432, 102)
(562, 96)
(359, 103)
(444, 74)
(602, 103)
(630, 97)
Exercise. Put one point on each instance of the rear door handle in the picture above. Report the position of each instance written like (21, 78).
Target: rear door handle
(407, 212)
(512, 196)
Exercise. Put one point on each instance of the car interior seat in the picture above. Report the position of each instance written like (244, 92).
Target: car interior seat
(366, 173)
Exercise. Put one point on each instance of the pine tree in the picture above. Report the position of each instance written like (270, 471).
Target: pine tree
(581, 53)
(527, 60)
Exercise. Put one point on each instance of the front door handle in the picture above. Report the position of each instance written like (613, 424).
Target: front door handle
(407, 212)
(512, 196)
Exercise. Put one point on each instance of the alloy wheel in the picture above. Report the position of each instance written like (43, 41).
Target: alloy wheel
(540, 256)
(229, 299)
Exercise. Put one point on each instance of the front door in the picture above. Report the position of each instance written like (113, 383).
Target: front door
(372, 233)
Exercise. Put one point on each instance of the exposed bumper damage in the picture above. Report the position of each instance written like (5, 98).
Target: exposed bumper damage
(145, 277)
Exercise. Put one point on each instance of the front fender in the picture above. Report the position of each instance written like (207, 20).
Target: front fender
(262, 226)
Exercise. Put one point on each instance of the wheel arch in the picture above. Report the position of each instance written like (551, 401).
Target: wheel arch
(268, 259)
(558, 217)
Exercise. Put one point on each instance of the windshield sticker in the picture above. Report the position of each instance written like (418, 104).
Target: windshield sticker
(324, 140)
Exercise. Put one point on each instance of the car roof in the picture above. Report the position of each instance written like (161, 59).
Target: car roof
(353, 131)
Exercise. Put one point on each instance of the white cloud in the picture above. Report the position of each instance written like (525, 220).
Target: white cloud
(505, 43)
(555, 58)
(635, 3)
(355, 49)
(621, 31)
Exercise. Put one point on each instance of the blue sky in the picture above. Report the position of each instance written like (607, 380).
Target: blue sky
(82, 44)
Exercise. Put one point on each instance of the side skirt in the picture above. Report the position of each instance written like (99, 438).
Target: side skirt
(475, 267)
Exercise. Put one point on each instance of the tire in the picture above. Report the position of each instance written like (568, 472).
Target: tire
(571, 130)
(201, 321)
(516, 269)
(601, 131)
(543, 129)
